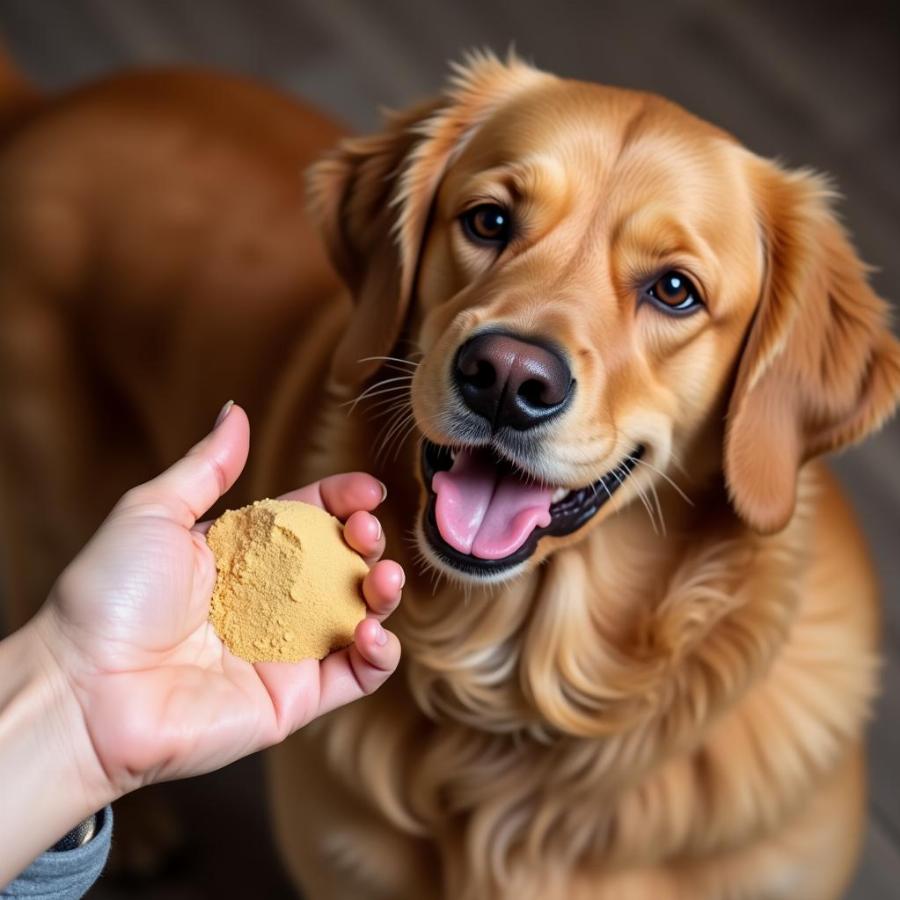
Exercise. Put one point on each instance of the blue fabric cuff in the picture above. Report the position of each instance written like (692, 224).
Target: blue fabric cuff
(67, 874)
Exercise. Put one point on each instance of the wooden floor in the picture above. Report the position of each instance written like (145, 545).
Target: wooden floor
(814, 83)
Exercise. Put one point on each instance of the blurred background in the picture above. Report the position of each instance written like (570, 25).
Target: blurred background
(813, 83)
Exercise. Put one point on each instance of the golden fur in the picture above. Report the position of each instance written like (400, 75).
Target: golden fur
(667, 704)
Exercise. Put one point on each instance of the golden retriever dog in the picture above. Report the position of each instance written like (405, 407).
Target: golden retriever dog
(594, 347)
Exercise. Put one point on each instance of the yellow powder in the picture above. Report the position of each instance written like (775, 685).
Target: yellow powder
(287, 586)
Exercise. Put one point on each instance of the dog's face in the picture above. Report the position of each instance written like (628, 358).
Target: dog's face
(584, 266)
(584, 287)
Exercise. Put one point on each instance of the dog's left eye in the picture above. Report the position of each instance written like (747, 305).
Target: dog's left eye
(675, 292)
(488, 223)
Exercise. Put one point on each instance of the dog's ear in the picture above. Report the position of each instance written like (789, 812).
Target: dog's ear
(820, 369)
(372, 198)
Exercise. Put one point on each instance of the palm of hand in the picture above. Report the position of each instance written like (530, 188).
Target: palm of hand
(152, 676)
(161, 696)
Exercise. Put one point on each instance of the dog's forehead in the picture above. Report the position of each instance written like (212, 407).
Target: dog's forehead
(563, 116)
(628, 161)
(612, 142)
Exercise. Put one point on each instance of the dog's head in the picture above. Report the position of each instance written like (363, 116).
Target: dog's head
(597, 285)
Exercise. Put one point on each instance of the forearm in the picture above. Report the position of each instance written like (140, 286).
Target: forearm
(49, 777)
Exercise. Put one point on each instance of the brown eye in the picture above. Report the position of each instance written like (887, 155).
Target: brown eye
(488, 223)
(675, 292)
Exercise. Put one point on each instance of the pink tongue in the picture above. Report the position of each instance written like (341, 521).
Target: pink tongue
(483, 512)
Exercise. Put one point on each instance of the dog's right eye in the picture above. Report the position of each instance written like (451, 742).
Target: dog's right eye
(675, 293)
(488, 223)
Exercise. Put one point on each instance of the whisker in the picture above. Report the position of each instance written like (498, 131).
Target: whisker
(663, 475)
(641, 496)
(394, 359)
(390, 405)
(609, 492)
(396, 389)
(399, 418)
(398, 411)
(403, 431)
(435, 581)
(396, 428)
(646, 501)
(378, 384)
(406, 434)
(659, 512)
(404, 377)
(377, 389)
(395, 368)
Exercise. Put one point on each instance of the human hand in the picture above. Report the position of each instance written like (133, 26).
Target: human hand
(126, 626)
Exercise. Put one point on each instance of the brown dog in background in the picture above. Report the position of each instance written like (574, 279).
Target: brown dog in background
(639, 629)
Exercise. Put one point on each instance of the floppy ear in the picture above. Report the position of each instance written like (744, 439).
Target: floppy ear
(820, 369)
(372, 198)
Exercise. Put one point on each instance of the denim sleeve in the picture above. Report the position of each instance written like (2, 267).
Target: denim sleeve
(66, 875)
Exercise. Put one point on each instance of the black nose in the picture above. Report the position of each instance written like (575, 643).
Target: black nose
(511, 381)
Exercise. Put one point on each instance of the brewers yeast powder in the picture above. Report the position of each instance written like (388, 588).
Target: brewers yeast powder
(287, 586)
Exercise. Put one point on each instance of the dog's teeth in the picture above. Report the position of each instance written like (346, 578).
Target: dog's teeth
(558, 495)
(452, 455)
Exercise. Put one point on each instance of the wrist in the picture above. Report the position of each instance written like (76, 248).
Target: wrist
(67, 733)
(50, 773)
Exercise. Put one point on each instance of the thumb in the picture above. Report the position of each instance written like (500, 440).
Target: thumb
(189, 487)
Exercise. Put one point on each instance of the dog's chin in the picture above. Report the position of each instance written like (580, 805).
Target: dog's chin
(548, 513)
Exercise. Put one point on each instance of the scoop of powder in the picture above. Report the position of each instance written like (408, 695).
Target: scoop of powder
(287, 586)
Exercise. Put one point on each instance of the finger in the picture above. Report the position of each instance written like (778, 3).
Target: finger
(382, 588)
(300, 692)
(346, 494)
(364, 535)
(359, 669)
(294, 691)
(189, 487)
(343, 494)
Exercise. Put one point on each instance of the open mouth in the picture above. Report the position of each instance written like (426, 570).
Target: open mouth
(485, 516)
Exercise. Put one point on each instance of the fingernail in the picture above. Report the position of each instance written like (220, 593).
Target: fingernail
(383, 490)
(380, 636)
(223, 414)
